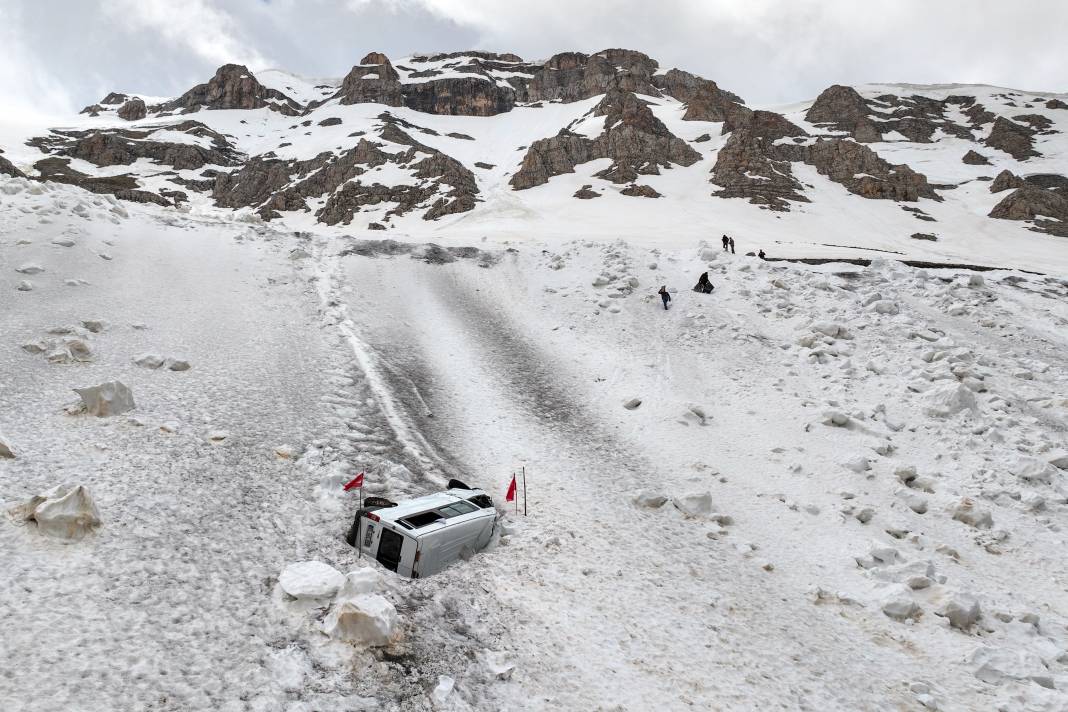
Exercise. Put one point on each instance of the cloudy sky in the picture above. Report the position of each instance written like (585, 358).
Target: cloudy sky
(63, 54)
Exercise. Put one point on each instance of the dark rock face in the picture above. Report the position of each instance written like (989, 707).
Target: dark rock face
(233, 87)
(771, 126)
(704, 100)
(373, 80)
(1012, 138)
(639, 191)
(473, 96)
(123, 187)
(637, 142)
(133, 110)
(114, 98)
(586, 192)
(1047, 209)
(924, 236)
(842, 108)
(574, 76)
(332, 121)
(272, 185)
(749, 167)
(1056, 104)
(124, 147)
(7, 168)
(861, 171)
(1006, 181)
(973, 158)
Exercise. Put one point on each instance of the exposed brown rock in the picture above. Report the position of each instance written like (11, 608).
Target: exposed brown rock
(331, 121)
(842, 108)
(1006, 181)
(1029, 202)
(573, 76)
(1012, 138)
(924, 236)
(747, 167)
(114, 98)
(8, 168)
(233, 87)
(978, 115)
(474, 96)
(771, 126)
(637, 142)
(974, 158)
(639, 191)
(123, 187)
(863, 172)
(133, 110)
(373, 80)
(1035, 121)
(115, 148)
(1056, 104)
(586, 192)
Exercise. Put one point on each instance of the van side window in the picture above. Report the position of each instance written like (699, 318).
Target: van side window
(417, 521)
(456, 509)
(481, 501)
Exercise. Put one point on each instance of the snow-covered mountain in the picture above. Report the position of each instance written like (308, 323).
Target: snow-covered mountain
(837, 482)
(607, 145)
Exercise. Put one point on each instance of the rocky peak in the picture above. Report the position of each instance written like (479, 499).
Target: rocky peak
(233, 87)
(573, 76)
(704, 100)
(1006, 180)
(133, 110)
(373, 80)
(844, 109)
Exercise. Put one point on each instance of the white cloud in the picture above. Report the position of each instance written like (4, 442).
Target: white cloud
(28, 90)
(207, 31)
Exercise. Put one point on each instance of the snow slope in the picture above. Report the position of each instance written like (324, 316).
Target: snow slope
(797, 398)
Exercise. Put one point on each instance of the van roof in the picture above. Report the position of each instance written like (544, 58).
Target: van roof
(426, 503)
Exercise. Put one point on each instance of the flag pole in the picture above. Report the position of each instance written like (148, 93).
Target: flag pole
(515, 499)
(524, 490)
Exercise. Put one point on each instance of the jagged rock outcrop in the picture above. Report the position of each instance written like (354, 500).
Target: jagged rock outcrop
(639, 191)
(1012, 138)
(748, 167)
(273, 185)
(844, 109)
(462, 96)
(123, 187)
(112, 149)
(373, 80)
(1056, 104)
(8, 168)
(1006, 181)
(704, 100)
(586, 192)
(637, 142)
(233, 87)
(863, 172)
(974, 158)
(133, 110)
(1046, 209)
(573, 76)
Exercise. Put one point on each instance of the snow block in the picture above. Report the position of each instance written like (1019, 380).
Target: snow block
(310, 579)
(148, 360)
(897, 603)
(63, 512)
(996, 665)
(111, 398)
(5, 448)
(961, 610)
(648, 500)
(367, 619)
(944, 401)
(359, 582)
(966, 511)
(694, 505)
(1031, 469)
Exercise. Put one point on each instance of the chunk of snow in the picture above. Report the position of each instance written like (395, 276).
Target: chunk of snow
(5, 447)
(217, 436)
(965, 511)
(885, 306)
(897, 603)
(996, 665)
(649, 500)
(63, 242)
(310, 579)
(961, 610)
(25, 286)
(63, 512)
(1031, 469)
(111, 398)
(944, 401)
(359, 582)
(30, 268)
(1059, 460)
(443, 689)
(95, 325)
(632, 403)
(367, 619)
(148, 360)
(698, 504)
(177, 364)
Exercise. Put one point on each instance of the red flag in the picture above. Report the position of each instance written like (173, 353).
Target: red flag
(356, 483)
(510, 497)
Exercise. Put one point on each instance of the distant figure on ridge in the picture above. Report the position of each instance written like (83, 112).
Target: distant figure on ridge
(761, 254)
(665, 296)
(726, 243)
(731, 241)
(703, 285)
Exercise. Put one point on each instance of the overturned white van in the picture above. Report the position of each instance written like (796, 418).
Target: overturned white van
(422, 536)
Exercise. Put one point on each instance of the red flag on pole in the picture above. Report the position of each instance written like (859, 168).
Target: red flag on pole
(356, 483)
(510, 497)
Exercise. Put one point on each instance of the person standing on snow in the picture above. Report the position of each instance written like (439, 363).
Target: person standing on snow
(726, 243)
(761, 254)
(703, 285)
(665, 296)
(731, 241)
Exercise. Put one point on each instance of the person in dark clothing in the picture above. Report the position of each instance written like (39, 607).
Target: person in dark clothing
(761, 255)
(726, 243)
(664, 295)
(703, 285)
(731, 241)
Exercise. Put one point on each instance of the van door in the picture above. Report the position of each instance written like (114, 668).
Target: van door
(389, 549)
